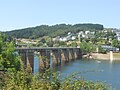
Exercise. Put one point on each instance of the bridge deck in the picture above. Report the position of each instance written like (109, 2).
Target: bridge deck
(48, 48)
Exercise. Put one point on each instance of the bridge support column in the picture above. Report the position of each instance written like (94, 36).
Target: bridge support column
(70, 55)
(44, 59)
(30, 60)
(78, 53)
(24, 58)
(56, 57)
(75, 53)
(65, 55)
(60, 56)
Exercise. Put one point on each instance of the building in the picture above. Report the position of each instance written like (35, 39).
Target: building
(117, 32)
(110, 48)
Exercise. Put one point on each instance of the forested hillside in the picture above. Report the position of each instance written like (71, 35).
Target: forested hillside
(52, 31)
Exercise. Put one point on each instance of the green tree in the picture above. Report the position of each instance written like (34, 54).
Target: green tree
(101, 50)
(116, 43)
(9, 59)
(86, 47)
(73, 44)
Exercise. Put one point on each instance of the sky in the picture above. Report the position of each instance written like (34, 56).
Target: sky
(18, 14)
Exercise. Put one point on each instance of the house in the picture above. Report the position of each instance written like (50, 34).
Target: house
(81, 34)
(87, 32)
(73, 38)
(118, 36)
(92, 33)
(63, 39)
(117, 32)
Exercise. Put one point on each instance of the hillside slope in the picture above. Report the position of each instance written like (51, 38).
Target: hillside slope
(52, 31)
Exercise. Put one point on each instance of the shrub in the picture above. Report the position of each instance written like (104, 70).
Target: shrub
(48, 81)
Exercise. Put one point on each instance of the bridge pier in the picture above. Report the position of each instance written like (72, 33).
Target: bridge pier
(24, 58)
(56, 57)
(78, 53)
(28, 59)
(70, 55)
(44, 61)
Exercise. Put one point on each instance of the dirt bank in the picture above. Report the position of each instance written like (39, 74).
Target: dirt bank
(100, 56)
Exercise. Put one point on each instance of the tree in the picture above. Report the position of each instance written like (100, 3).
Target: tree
(9, 59)
(73, 44)
(86, 47)
(116, 43)
(101, 50)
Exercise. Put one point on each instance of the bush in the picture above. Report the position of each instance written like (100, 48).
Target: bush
(101, 50)
(48, 81)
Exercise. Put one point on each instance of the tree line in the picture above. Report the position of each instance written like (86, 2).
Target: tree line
(52, 31)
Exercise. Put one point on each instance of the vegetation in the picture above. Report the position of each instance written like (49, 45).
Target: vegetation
(52, 31)
(9, 60)
(87, 47)
(49, 81)
(116, 43)
(101, 50)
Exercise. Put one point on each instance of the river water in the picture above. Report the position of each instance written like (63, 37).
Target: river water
(103, 71)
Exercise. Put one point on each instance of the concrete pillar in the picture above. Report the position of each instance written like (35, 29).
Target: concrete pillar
(23, 58)
(111, 56)
(56, 57)
(47, 58)
(79, 53)
(27, 58)
(51, 59)
(44, 62)
(30, 60)
(65, 55)
(72, 53)
(60, 56)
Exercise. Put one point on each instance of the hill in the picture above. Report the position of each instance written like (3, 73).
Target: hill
(52, 31)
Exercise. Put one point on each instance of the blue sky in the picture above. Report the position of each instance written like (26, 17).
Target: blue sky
(17, 14)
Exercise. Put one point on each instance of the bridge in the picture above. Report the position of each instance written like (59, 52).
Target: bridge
(48, 56)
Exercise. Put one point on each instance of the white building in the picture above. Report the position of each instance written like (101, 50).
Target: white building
(117, 31)
(118, 36)
(87, 32)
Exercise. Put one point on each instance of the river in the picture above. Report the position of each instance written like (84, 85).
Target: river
(103, 71)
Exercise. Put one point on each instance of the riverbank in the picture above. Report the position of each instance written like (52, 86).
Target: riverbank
(100, 56)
